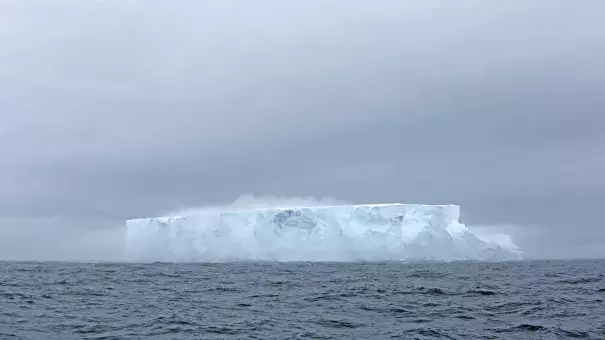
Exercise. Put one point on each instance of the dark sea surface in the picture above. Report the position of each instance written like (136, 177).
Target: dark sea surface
(388, 300)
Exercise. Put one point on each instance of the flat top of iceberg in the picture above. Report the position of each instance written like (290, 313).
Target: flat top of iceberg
(213, 211)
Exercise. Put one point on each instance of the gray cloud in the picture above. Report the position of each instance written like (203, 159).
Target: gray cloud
(110, 110)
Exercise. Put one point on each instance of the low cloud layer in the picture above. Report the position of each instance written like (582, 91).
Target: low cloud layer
(114, 109)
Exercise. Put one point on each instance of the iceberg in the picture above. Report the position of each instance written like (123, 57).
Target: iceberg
(369, 232)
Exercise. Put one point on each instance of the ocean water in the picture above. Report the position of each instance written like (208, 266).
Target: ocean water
(270, 300)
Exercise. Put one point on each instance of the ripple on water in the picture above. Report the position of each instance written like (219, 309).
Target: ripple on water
(521, 300)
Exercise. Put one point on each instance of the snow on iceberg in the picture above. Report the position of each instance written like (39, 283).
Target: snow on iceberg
(372, 232)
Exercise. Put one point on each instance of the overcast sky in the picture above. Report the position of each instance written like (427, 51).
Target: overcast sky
(116, 109)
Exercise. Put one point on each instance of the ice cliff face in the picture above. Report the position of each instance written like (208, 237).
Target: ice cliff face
(322, 233)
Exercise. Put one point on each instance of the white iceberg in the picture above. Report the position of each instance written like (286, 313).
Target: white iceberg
(372, 232)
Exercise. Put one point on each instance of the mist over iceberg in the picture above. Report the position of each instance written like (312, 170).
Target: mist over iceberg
(369, 232)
